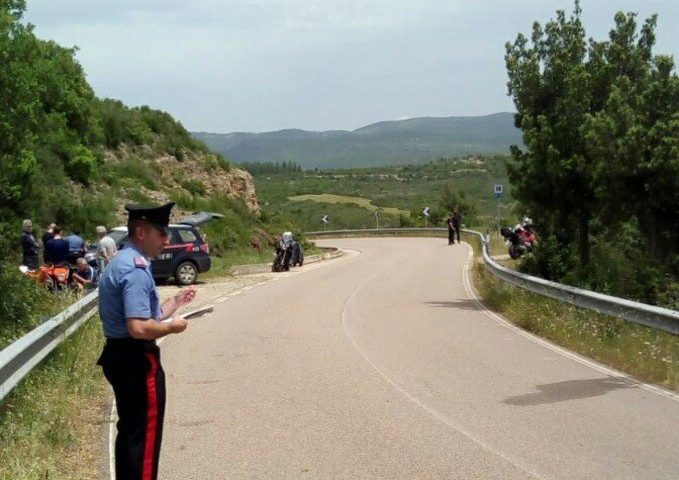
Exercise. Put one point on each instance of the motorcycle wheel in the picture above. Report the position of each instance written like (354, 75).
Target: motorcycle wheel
(514, 252)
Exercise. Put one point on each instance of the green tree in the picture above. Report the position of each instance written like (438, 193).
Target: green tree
(452, 199)
(635, 137)
(600, 127)
(552, 87)
(18, 109)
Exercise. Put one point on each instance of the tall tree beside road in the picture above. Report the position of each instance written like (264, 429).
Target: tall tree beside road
(551, 83)
(600, 125)
(46, 111)
(18, 164)
(635, 136)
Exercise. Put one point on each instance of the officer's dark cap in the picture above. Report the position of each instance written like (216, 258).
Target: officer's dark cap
(156, 215)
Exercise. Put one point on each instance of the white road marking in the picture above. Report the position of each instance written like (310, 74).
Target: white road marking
(111, 441)
(471, 293)
(430, 410)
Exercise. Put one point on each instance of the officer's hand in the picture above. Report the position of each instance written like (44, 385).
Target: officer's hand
(178, 324)
(185, 296)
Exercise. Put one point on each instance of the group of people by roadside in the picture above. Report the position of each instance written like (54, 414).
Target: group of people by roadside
(67, 250)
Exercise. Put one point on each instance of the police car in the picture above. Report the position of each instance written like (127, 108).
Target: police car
(186, 255)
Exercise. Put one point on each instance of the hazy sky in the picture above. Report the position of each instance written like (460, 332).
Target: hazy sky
(257, 65)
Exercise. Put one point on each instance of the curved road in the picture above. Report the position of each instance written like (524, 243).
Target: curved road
(382, 365)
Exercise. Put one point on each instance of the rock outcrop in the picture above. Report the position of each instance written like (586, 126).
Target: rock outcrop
(193, 173)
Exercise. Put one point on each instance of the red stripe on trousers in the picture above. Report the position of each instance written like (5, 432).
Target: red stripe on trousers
(151, 419)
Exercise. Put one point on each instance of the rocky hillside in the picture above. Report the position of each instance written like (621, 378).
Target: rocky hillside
(163, 177)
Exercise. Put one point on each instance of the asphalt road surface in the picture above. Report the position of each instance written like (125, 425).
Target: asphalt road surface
(382, 365)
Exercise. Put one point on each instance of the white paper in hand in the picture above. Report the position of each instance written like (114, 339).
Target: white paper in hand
(193, 313)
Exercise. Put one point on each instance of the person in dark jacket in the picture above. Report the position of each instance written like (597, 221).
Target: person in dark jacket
(457, 223)
(46, 237)
(29, 246)
(451, 229)
(57, 248)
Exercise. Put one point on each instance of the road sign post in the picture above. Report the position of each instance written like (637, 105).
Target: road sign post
(498, 192)
(377, 219)
(426, 214)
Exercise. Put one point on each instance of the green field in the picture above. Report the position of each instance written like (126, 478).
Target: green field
(343, 199)
(351, 197)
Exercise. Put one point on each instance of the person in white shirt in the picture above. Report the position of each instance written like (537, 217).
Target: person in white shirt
(106, 249)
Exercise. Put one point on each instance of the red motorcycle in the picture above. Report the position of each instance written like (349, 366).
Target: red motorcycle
(53, 277)
(520, 239)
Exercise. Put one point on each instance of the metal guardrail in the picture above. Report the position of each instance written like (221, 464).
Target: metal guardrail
(19, 358)
(641, 313)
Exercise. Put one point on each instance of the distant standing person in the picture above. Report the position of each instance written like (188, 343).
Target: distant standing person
(46, 237)
(451, 229)
(106, 249)
(457, 223)
(29, 246)
(57, 248)
(76, 246)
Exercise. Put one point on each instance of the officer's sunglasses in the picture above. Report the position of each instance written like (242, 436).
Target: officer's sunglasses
(162, 229)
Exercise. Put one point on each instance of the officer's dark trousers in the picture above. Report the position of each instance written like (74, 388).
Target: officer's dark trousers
(133, 369)
(451, 236)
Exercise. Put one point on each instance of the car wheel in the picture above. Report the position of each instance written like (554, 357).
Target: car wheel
(186, 273)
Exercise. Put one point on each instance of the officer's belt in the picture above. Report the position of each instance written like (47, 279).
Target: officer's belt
(129, 343)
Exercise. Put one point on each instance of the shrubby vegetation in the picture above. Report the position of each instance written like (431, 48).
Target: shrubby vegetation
(600, 169)
(55, 135)
(53, 129)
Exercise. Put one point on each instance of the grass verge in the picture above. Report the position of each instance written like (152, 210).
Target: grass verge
(50, 425)
(645, 353)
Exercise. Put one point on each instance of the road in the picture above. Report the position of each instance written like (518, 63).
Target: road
(381, 365)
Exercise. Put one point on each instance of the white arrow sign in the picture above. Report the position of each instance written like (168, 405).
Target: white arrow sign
(426, 211)
(324, 219)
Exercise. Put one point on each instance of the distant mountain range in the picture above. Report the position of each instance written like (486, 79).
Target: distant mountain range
(415, 140)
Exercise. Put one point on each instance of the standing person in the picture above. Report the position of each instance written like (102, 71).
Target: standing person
(57, 249)
(132, 318)
(106, 249)
(76, 246)
(46, 237)
(451, 229)
(457, 223)
(29, 246)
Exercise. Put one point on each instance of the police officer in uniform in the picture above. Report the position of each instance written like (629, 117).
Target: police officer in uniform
(132, 318)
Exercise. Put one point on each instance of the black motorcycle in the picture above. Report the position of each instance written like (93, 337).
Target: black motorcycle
(297, 257)
(281, 259)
